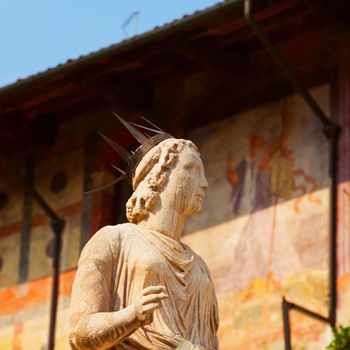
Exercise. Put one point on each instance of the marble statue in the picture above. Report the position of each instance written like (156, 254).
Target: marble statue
(137, 286)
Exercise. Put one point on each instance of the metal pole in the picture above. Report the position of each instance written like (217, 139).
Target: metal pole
(283, 65)
(28, 187)
(57, 227)
(333, 136)
(307, 312)
(286, 324)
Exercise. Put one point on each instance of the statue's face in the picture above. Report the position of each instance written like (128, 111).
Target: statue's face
(187, 183)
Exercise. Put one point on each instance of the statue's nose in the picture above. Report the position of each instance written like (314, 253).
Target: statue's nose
(204, 183)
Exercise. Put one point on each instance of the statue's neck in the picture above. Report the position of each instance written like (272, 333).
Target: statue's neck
(166, 221)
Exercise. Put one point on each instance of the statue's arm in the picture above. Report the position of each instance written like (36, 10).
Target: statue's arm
(94, 324)
(103, 330)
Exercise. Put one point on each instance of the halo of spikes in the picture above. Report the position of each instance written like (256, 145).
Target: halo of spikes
(146, 141)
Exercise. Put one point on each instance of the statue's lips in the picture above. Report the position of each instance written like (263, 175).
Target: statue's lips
(200, 197)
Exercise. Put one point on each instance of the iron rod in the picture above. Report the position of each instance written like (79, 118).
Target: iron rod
(307, 312)
(283, 65)
(57, 227)
(28, 187)
(26, 222)
(286, 324)
(333, 168)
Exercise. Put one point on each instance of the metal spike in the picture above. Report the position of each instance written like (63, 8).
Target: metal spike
(145, 127)
(154, 125)
(120, 178)
(116, 168)
(120, 150)
(139, 136)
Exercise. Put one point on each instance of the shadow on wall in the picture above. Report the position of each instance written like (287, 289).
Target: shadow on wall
(268, 194)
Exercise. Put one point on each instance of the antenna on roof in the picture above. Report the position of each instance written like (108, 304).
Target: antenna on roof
(134, 17)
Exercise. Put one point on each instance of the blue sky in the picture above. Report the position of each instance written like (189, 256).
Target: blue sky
(37, 34)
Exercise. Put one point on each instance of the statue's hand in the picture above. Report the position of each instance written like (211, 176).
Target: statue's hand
(148, 300)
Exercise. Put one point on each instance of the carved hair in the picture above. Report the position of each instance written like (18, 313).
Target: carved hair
(151, 176)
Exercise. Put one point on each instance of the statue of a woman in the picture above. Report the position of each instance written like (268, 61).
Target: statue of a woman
(137, 286)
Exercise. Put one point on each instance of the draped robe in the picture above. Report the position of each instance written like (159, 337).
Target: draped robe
(119, 261)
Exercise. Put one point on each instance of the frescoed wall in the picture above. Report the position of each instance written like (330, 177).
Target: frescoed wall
(60, 175)
(264, 227)
(263, 230)
(26, 254)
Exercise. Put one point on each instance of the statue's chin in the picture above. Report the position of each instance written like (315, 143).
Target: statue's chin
(195, 210)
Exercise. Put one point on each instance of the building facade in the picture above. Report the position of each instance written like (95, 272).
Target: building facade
(264, 228)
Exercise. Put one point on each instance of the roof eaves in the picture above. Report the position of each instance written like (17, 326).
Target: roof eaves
(120, 47)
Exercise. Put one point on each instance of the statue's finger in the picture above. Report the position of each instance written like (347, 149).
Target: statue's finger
(153, 289)
(152, 306)
(154, 297)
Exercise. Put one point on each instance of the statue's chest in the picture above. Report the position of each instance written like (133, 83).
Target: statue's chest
(150, 262)
(182, 271)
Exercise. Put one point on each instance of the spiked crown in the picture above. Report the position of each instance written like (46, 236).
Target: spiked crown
(146, 141)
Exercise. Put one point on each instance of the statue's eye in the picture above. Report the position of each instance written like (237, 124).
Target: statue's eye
(189, 165)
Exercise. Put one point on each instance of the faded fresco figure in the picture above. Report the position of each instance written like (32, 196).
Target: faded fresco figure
(137, 286)
(261, 180)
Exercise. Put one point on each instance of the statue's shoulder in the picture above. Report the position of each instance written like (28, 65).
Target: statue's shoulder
(107, 241)
(113, 232)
